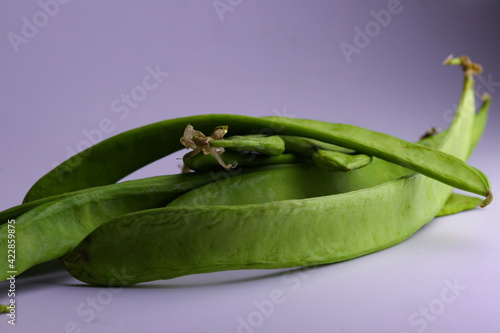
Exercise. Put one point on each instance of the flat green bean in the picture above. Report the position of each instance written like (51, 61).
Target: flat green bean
(458, 203)
(132, 195)
(304, 147)
(335, 161)
(326, 156)
(175, 241)
(269, 145)
(281, 184)
(110, 160)
(202, 162)
(54, 228)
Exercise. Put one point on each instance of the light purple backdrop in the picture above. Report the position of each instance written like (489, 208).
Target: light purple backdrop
(74, 72)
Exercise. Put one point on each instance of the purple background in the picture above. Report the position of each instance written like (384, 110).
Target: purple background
(259, 58)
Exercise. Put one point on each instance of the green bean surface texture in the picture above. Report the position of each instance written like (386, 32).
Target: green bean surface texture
(275, 192)
(181, 240)
(114, 158)
(125, 152)
(458, 203)
(275, 185)
(270, 145)
(54, 223)
(335, 161)
(52, 229)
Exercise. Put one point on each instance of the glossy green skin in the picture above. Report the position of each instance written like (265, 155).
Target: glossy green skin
(54, 228)
(175, 241)
(114, 158)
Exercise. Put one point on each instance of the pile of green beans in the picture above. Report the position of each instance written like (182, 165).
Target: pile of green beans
(277, 193)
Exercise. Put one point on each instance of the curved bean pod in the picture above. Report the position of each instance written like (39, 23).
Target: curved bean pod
(276, 185)
(90, 207)
(131, 150)
(303, 148)
(270, 145)
(326, 156)
(306, 146)
(458, 203)
(202, 162)
(54, 228)
(176, 241)
(335, 161)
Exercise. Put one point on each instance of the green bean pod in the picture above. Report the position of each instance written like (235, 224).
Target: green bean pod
(16, 211)
(326, 156)
(458, 203)
(201, 162)
(269, 145)
(176, 241)
(172, 242)
(304, 147)
(335, 161)
(427, 161)
(296, 182)
(110, 160)
(54, 228)
(88, 208)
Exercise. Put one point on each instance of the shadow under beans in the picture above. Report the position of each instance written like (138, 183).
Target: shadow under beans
(48, 273)
(211, 279)
(48, 267)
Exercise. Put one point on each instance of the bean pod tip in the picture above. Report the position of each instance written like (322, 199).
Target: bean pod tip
(487, 201)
